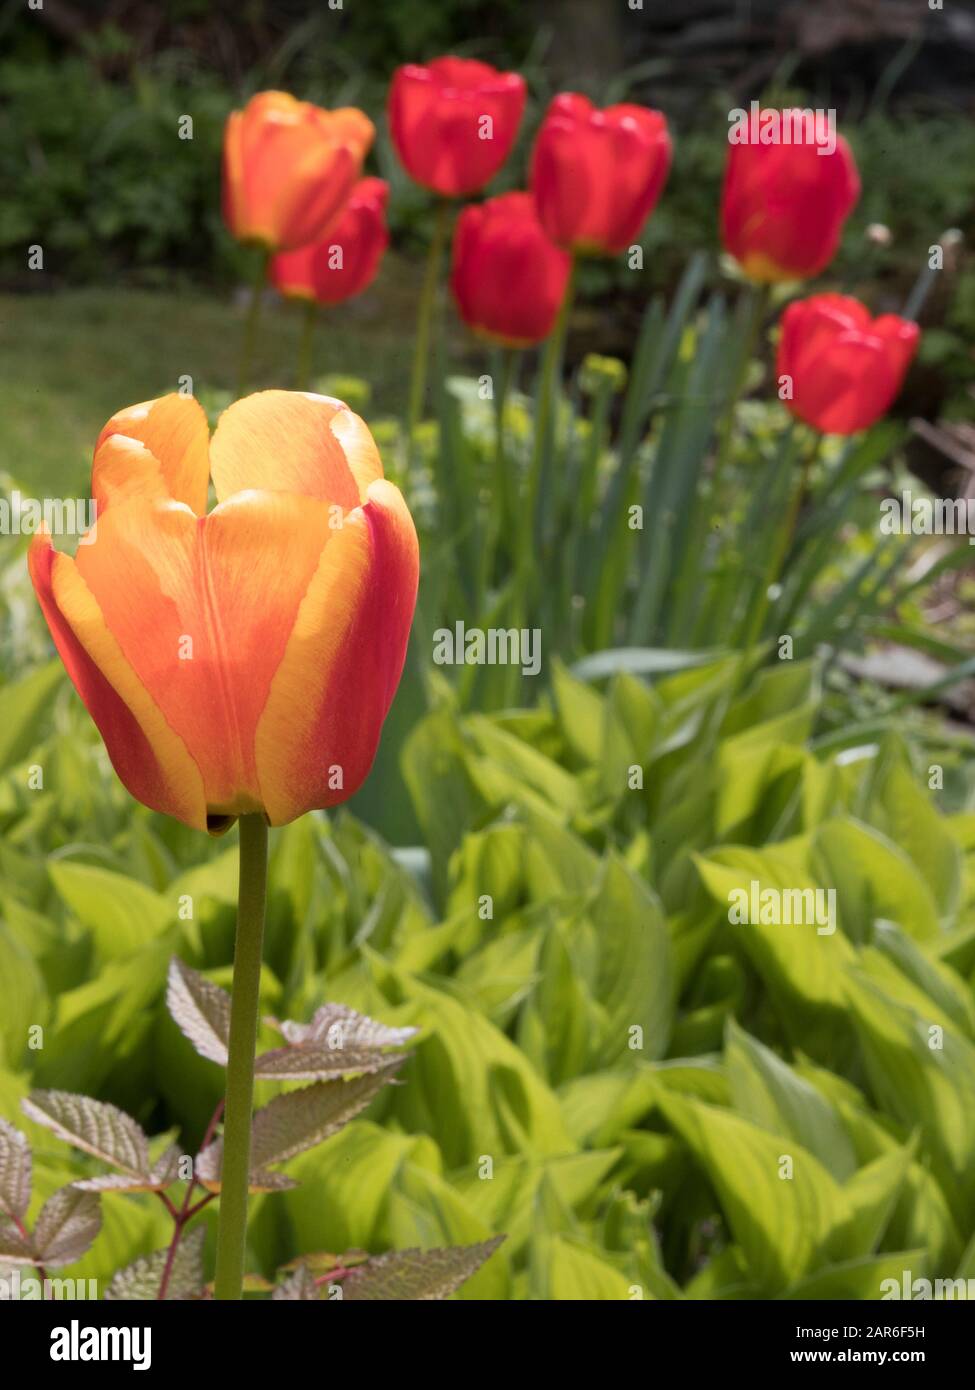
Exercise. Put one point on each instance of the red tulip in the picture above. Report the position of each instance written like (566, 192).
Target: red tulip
(454, 122)
(289, 167)
(347, 261)
(241, 660)
(783, 205)
(508, 278)
(844, 367)
(597, 175)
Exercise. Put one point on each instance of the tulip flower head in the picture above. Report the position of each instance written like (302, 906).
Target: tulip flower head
(289, 168)
(347, 261)
(241, 660)
(454, 122)
(783, 204)
(508, 278)
(597, 175)
(843, 368)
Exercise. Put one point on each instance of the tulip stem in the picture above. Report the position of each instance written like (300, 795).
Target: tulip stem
(550, 372)
(305, 344)
(761, 602)
(500, 512)
(252, 320)
(424, 322)
(252, 892)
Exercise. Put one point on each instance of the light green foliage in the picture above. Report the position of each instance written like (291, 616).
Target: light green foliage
(647, 1098)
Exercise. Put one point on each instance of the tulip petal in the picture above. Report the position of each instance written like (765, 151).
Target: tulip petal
(317, 737)
(283, 441)
(151, 760)
(202, 610)
(173, 461)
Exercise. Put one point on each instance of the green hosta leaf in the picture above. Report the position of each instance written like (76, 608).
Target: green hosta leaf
(782, 1223)
(921, 1084)
(902, 811)
(22, 704)
(94, 1127)
(768, 1092)
(873, 878)
(799, 965)
(121, 913)
(299, 1287)
(201, 1011)
(15, 1172)
(872, 1194)
(140, 1280)
(565, 1269)
(936, 982)
(67, 1225)
(858, 1280)
(336, 1042)
(416, 1275)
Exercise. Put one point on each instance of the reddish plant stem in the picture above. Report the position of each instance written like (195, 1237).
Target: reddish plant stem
(185, 1213)
(24, 1234)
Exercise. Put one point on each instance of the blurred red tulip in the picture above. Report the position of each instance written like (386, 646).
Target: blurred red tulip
(597, 175)
(289, 167)
(844, 368)
(507, 277)
(243, 660)
(454, 121)
(347, 261)
(783, 205)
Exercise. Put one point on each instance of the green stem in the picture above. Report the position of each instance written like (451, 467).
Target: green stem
(305, 343)
(501, 512)
(761, 602)
(551, 364)
(252, 890)
(424, 321)
(251, 322)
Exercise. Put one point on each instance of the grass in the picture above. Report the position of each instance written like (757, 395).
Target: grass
(70, 359)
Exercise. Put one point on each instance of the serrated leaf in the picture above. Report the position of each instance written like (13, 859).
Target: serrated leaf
(140, 1280)
(15, 1172)
(67, 1225)
(417, 1274)
(164, 1173)
(13, 1247)
(299, 1286)
(92, 1126)
(201, 1011)
(291, 1123)
(339, 1027)
(318, 1062)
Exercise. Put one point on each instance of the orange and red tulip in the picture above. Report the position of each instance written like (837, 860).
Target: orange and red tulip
(844, 367)
(347, 261)
(508, 278)
(783, 205)
(241, 660)
(289, 168)
(597, 175)
(454, 121)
